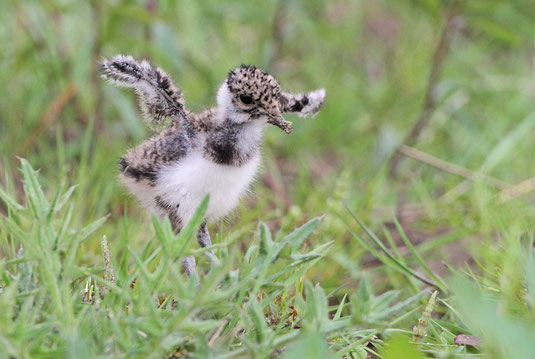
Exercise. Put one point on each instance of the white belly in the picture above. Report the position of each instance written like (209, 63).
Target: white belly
(186, 183)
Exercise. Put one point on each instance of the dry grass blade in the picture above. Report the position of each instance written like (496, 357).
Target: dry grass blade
(517, 190)
(217, 333)
(430, 101)
(48, 117)
(420, 330)
(452, 168)
(505, 146)
(108, 271)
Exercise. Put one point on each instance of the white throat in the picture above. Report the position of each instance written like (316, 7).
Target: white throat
(226, 108)
(251, 135)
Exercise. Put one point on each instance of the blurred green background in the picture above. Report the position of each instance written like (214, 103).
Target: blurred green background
(373, 57)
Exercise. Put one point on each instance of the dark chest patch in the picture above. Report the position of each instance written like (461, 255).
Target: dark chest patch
(222, 145)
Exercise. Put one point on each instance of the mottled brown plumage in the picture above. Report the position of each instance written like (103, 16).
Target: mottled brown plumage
(214, 152)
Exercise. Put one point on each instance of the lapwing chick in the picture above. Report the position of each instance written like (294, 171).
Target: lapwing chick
(215, 152)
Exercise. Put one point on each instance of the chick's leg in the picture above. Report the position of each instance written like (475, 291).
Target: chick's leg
(188, 263)
(203, 237)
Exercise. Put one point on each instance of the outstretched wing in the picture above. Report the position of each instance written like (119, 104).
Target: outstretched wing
(158, 95)
(303, 104)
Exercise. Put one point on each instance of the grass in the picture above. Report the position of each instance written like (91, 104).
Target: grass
(332, 256)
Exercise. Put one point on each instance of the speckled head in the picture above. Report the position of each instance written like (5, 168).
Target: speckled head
(256, 93)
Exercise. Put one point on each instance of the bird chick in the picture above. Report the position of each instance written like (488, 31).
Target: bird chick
(215, 152)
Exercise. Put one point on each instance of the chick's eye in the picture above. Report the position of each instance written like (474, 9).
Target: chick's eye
(245, 99)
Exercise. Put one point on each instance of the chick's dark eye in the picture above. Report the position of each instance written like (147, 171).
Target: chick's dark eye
(245, 99)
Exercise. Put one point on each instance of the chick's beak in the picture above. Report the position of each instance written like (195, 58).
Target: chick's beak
(280, 122)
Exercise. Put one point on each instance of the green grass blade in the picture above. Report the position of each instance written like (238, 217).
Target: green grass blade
(385, 250)
(440, 283)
